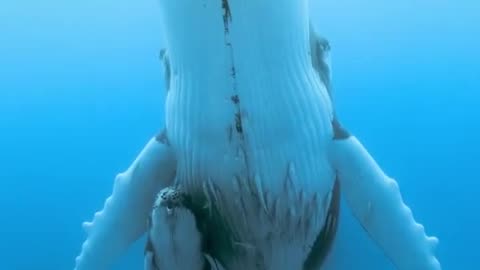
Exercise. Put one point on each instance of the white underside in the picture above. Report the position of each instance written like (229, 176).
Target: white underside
(285, 127)
(278, 169)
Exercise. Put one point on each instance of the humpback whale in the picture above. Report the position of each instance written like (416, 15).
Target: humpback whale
(252, 136)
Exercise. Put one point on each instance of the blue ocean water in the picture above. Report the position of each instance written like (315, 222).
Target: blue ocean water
(81, 92)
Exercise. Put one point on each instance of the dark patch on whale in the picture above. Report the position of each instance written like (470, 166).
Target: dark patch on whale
(238, 123)
(235, 99)
(227, 15)
(162, 137)
(166, 65)
(323, 244)
(319, 50)
(339, 132)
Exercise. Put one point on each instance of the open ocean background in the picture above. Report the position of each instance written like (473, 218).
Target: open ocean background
(81, 92)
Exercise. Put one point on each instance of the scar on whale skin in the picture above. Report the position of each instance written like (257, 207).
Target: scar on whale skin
(235, 99)
(238, 123)
(227, 14)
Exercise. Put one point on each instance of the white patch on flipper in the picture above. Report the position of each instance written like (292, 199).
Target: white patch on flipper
(122, 220)
(376, 202)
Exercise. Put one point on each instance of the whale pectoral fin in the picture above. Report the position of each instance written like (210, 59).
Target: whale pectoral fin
(377, 204)
(124, 216)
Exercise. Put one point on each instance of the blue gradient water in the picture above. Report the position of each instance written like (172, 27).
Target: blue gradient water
(81, 92)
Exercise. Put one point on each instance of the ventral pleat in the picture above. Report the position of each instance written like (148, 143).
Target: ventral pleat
(260, 193)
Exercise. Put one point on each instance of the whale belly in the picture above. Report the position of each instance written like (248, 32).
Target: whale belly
(262, 191)
(250, 138)
(270, 216)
